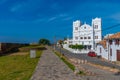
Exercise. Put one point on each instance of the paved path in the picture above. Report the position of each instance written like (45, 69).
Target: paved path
(50, 67)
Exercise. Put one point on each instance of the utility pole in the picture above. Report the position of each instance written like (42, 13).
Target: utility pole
(54, 42)
(108, 47)
(93, 38)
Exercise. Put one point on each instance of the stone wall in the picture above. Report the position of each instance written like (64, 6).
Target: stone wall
(10, 47)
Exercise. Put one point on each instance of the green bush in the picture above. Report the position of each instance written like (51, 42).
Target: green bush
(76, 46)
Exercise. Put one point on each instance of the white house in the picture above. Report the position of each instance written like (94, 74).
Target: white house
(110, 49)
(66, 45)
(102, 50)
(83, 34)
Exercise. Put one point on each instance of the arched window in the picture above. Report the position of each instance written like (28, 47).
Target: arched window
(81, 37)
(110, 52)
(100, 50)
(85, 37)
(89, 37)
(110, 42)
(117, 41)
(76, 28)
(76, 38)
(96, 27)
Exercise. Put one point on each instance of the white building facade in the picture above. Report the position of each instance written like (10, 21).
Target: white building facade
(110, 48)
(83, 34)
(102, 49)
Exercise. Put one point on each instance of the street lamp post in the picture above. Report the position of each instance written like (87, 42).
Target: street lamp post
(54, 42)
(62, 54)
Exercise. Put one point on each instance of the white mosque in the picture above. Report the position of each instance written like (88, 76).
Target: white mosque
(85, 34)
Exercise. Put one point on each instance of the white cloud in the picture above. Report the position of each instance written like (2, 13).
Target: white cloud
(39, 20)
(63, 15)
(3, 1)
(67, 18)
(44, 20)
(52, 18)
(16, 7)
(116, 16)
(55, 6)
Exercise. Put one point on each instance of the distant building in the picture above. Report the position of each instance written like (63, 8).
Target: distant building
(83, 34)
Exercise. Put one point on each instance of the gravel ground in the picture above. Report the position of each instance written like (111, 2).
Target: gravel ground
(93, 60)
(101, 74)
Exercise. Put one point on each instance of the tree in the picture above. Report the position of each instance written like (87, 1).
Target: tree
(60, 42)
(65, 38)
(44, 42)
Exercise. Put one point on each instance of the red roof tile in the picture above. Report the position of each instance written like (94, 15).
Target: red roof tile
(114, 36)
(103, 43)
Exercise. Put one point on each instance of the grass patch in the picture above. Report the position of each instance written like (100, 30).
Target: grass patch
(28, 48)
(81, 73)
(71, 66)
(32, 46)
(18, 67)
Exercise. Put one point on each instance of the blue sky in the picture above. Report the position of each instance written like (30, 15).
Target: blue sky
(30, 20)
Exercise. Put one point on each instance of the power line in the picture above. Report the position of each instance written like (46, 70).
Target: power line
(102, 30)
(111, 27)
(105, 29)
